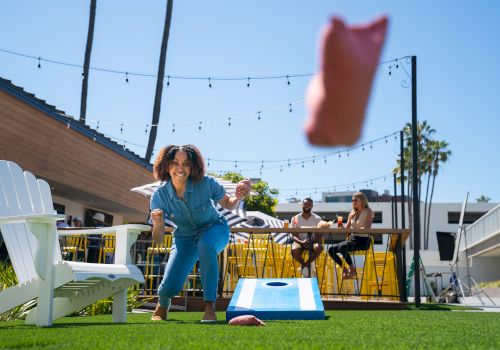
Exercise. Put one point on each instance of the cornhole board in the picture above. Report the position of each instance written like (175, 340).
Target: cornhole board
(277, 299)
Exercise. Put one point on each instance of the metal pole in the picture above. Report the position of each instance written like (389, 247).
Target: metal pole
(403, 218)
(416, 201)
(392, 212)
(403, 200)
(395, 202)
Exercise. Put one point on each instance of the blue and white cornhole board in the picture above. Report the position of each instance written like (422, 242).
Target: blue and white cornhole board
(277, 299)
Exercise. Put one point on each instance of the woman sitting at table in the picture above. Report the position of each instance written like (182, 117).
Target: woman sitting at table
(361, 216)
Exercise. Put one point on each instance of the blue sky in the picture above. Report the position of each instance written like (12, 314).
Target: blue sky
(456, 44)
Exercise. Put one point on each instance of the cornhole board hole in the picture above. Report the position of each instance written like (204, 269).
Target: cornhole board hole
(277, 299)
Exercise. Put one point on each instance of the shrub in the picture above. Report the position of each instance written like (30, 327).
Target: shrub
(104, 306)
(8, 279)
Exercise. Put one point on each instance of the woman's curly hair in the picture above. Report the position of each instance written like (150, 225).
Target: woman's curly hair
(167, 155)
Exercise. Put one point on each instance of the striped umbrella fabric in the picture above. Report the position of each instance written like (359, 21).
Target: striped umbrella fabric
(257, 219)
(235, 217)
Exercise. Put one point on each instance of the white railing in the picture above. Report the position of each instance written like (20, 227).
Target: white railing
(487, 226)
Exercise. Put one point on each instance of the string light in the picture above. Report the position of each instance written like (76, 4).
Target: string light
(293, 161)
(290, 106)
(248, 83)
(146, 129)
(121, 128)
(39, 64)
(222, 119)
(209, 82)
(288, 161)
(334, 187)
(126, 77)
(184, 77)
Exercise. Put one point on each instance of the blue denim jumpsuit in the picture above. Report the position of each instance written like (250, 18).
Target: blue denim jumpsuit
(202, 233)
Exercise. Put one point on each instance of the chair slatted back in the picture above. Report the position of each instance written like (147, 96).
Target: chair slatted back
(22, 194)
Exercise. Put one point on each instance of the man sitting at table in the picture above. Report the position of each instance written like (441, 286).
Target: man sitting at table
(306, 241)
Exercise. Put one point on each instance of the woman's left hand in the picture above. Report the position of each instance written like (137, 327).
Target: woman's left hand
(243, 189)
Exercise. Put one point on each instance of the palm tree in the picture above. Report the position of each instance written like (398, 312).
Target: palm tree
(483, 199)
(440, 154)
(159, 82)
(427, 166)
(86, 62)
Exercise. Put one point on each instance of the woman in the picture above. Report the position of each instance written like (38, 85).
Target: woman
(361, 216)
(202, 233)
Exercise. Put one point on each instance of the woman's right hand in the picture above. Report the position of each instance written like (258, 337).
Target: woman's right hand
(157, 216)
(158, 225)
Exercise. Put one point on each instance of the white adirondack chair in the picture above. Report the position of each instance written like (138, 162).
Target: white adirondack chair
(28, 224)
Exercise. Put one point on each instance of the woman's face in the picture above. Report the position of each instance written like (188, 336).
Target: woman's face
(357, 204)
(180, 168)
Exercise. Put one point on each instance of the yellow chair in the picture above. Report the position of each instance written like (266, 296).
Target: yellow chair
(382, 277)
(193, 283)
(107, 249)
(154, 256)
(325, 274)
(72, 246)
(356, 285)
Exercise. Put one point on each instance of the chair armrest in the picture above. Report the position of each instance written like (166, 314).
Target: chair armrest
(103, 230)
(32, 218)
(126, 235)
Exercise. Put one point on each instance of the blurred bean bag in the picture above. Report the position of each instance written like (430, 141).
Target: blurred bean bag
(338, 95)
(246, 320)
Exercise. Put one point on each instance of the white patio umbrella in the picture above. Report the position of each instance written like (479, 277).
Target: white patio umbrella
(257, 219)
(233, 218)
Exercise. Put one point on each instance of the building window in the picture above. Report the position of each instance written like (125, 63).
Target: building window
(89, 222)
(469, 217)
(59, 208)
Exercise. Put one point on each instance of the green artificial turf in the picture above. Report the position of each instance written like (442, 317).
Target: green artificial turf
(409, 329)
